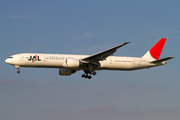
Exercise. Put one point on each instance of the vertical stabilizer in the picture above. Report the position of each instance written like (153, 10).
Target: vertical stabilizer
(155, 52)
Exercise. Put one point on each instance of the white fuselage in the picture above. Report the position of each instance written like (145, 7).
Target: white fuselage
(69, 64)
(59, 61)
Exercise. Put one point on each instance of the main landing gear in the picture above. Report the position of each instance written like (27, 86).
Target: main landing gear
(18, 71)
(88, 72)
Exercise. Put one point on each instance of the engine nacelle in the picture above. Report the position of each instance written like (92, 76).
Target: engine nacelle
(65, 72)
(72, 63)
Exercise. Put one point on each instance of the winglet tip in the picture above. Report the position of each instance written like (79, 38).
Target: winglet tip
(127, 42)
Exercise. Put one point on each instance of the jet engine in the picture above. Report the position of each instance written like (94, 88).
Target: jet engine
(72, 63)
(66, 72)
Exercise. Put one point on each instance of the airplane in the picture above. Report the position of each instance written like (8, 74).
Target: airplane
(69, 64)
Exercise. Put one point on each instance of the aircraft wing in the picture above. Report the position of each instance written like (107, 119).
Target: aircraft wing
(102, 55)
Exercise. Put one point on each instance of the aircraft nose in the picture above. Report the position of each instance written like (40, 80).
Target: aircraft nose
(8, 61)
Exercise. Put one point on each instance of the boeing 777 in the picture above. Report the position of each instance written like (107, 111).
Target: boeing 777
(69, 64)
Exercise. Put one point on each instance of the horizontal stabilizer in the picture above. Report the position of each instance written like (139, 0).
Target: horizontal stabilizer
(162, 60)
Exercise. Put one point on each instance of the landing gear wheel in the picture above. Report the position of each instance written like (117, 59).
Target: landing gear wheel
(18, 71)
(86, 76)
(89, 77)
(83, 75)
(94, 73)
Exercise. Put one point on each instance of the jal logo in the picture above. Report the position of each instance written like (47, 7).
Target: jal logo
(34, 58)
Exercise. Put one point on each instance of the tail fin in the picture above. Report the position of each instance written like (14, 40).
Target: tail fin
(155, 52)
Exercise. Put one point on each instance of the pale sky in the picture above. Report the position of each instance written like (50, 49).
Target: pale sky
(88, 27)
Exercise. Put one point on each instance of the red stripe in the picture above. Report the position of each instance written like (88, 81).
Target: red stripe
(35, 58)
(157, 48)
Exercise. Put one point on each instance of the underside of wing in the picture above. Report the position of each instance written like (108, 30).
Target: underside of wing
(102, 55)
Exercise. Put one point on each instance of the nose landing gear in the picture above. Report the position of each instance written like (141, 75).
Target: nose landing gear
(18, 71)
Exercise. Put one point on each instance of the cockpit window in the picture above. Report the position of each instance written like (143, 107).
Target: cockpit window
(10, 57)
